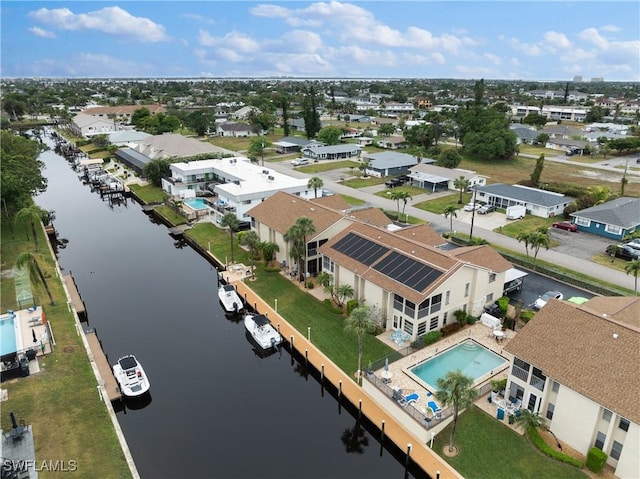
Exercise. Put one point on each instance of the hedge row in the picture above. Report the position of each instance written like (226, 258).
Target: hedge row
(537, 441)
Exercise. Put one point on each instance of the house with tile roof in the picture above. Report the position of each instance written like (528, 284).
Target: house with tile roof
(275, 215)
(577, 366)
(614, 219)
(545, 204)
(416, 285)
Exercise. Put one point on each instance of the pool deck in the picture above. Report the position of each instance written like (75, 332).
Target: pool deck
(402, 379)
(30, 322)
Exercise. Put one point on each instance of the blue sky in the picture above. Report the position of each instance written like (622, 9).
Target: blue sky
(530, 40)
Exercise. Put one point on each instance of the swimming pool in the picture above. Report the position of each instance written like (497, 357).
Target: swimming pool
(8, 338)
(470, 357)
(196, 203)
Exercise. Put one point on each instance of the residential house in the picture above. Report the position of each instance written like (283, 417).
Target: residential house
(122, 112)
(292, 144)
(332, 152)
(364, 141)
(243, 113)
(614, 219)
(239, 184)
(86, 125)
(393, 142)
(566, 145)
(545, 204)
(388, 163)
(172, 146)
(233, 129)
(417, 286)
(524, 134)
(577, 367)
(124, 137)
(273, 217)
(562, 131)
(437, 178)
(132, 159)
(394, 108)
(564, 113)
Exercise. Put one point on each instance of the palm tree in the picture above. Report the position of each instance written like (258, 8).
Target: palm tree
(269, 249)
(456, 390)
(359, 323)
(529, 420)
(398, 195)
(524, 236)
(315, 183)
(31, 214)
(633, 267)
(539, 239)
(344, 292)
(230, 220)
(28, 260)
(461, 184)
(450, 212)
(600, 194)
(252, 240)
(298, 234)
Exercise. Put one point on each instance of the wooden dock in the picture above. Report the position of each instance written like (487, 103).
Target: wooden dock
(179, 230)
(104, 368)
(76, 299)
(415, 447)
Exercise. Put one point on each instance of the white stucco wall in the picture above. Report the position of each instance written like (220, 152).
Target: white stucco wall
(629, 462)
(574, 419)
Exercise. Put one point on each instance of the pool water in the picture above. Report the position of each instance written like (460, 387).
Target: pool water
(7, 336)
(196, 203)
(469, 357)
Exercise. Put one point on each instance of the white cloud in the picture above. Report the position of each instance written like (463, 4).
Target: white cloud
(39, 32)
(233, 40)
(299, 41)
(230, 55)
(530, 49)
(493, 58)
(610, 28)
(110, 20)
(591, 35)
(556, 41)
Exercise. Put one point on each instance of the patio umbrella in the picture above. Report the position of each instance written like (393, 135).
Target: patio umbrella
(14, 423)
(33, 333)
(386, 364)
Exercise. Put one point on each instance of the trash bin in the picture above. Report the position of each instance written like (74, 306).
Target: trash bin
(24, 367)
(500, 414)
(512, 419)
(30, 354)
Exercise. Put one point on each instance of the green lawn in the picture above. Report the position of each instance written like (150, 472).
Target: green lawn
(149, 193)
(438, 205)
(353, 201)
(362, 182)
(170, 215)
(328, 166)
(412, 190)
(489, 449)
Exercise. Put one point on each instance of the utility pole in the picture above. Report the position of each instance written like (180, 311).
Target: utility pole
(473, 213)
(262, 152)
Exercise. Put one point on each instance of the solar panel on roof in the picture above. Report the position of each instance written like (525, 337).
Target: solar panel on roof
(361, 249)
(406, 270)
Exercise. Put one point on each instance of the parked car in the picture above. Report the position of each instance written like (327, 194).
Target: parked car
(483, 210)
(244, 226)
(623, 251)
(404, 178)
(472, 206)
(393, 183)
(546, 297)
(493, 309)
(327, 192)
(300, 162)
(565, 225)
(634, 243)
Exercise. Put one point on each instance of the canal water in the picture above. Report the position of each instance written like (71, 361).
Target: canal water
(217, 408)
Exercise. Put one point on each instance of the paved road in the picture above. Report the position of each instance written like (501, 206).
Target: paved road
(561, 256)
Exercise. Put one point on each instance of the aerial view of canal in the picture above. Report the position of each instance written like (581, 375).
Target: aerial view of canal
(217, 409)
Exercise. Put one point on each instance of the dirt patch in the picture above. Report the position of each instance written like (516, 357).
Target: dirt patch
(69, 349)
(450, 453)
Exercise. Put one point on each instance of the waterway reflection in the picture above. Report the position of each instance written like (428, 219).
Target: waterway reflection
(219, 409)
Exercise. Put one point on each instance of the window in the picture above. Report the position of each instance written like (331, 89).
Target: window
(466, 290)
(614, 230)
(409, 308)
(616, 449)
(444, 318)
(555, 387)
(550, 409)
(436, 303)
(422, 328)
(423, 309)
(447, 297)
(398, 302)
(433, 323)
(246, 202)
(408, 327)
(582, 221)
(623, 424)
(492, 277)
(600, 438)
(606, 415)
(489, 298)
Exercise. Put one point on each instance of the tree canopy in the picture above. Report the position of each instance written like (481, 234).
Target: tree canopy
(330, 135)
(21, 173)
(155, 170)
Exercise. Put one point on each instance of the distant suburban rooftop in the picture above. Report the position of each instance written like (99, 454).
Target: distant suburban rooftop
(524, 193)
(623, 212)
(389, 159)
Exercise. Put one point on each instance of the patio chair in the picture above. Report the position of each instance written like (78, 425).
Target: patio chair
(434, 407)
(411, 398)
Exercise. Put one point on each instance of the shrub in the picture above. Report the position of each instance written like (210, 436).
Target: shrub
(431, 337)
(499, 384)
(596, 459)
(418, 343)
(460, 316)
(544, 448)
(526, 315)
(330, 306)
(310, 285)
(504, 305)
(471, 319)
(450, 328)
(351, 305)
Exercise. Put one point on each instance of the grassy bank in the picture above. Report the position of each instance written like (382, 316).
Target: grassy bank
(61, 402)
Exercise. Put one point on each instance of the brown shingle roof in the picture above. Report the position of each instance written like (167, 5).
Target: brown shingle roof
(578, 349)
(621, 308)
(372, 216)
(281, 210)
(424, 234)
(482, 256)
(335, 202)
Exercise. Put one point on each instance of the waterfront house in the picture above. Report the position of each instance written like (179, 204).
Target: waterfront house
(578, 367)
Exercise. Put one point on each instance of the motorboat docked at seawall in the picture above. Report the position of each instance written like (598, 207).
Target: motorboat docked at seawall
(131, 377)
(229, 298)
(261, 330)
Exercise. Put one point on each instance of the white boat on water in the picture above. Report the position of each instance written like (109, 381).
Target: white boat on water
(261, 330)
(130, 376)
(230, 299)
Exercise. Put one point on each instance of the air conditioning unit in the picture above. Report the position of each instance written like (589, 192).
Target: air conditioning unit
(270, 178)
(236, 182)
(265, 172)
